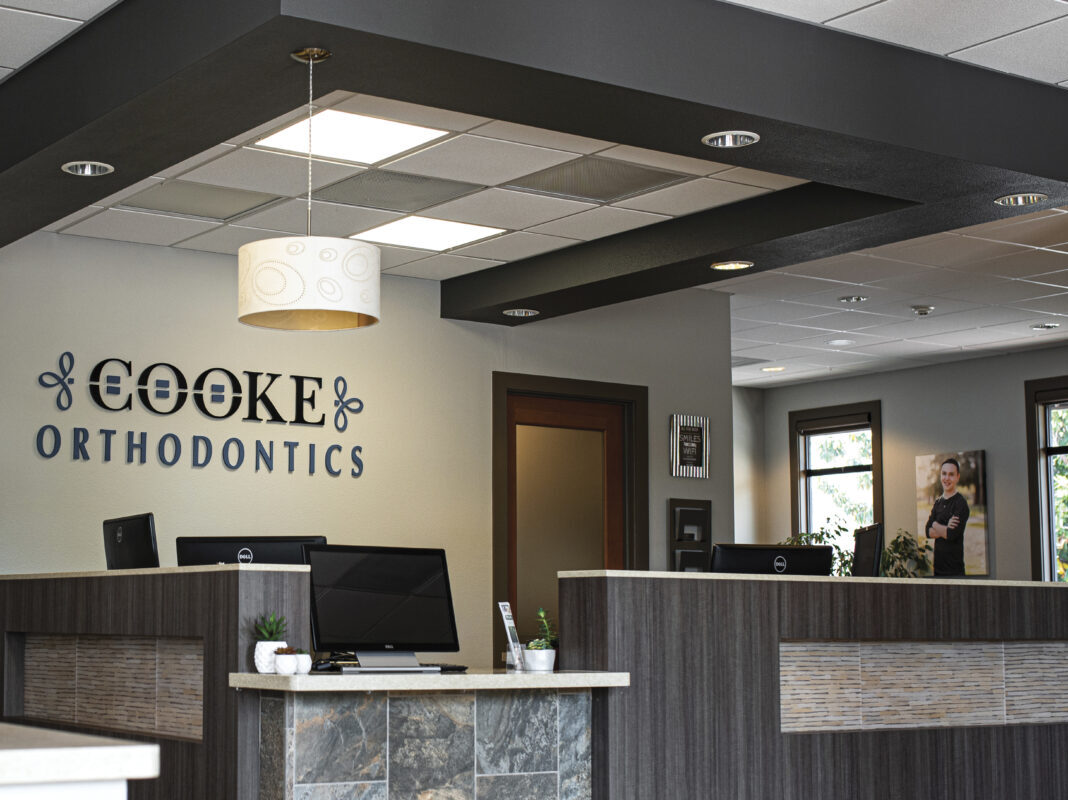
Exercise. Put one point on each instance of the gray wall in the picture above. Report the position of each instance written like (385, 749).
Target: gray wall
(976, 404)
(748, 464)
(425, 428)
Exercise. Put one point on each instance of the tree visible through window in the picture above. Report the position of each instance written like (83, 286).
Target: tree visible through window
(1048, 433)
(836, 468)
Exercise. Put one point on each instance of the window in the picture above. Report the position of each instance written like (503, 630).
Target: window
(836, 468)
(1047, 446)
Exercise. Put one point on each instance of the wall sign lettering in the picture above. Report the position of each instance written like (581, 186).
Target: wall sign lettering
(215, 393)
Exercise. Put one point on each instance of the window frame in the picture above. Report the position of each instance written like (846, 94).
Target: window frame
(1039, 395)
(833, 419)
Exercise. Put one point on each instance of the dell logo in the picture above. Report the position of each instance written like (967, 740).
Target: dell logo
(780, 563)
(244, 556)
(118, 535)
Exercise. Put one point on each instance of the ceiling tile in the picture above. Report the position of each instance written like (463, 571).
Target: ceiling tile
(195, 161)
(395, 256)
(946, 26)
(847, 321)
(1055, 304)
(328, 219)
(1022, 264)
(877, 298)
(140, 186)
(754, 177)
(24, 35)
(524, 134)
(227, 239)
(971, 337)
(476, 159)
(274, 173)
(902, 348)
(811, 10)
(599, 180)
(442, 267)
(1050, 281)
(70, 219)
(140, 226)
(945, 250)
(514, 246)
(668, 161)
(1038, 52)
(197, 199)
(72, 9)
(984, 228)
(4, 72)
(835, 358)
(823, 340)
(1042, 232)
(1004, 291)
(1023, 331)
(780, 311)
(922, 327)
(502, 208)
(399, 111)
(779, 286)
(599, 222)
(394, 191)
(779, 334)
(930, 281)
(695, 195)
(777, 352)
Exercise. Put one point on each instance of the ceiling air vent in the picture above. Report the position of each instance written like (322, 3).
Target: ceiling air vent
(394, 191)
(741, 361)
(602, 180)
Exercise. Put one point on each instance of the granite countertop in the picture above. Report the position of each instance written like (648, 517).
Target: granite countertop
(122, 573)
(474, 679)
(30, 755)
(736, 576)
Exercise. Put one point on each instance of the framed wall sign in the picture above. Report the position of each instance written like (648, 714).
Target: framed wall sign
(689, 446)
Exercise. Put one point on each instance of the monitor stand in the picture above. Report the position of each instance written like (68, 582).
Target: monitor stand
(377, 661)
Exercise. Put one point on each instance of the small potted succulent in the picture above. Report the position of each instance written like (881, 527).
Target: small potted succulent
(285, 661)
(270, 635)
(540, 653)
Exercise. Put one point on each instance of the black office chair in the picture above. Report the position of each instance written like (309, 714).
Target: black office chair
(867, 551)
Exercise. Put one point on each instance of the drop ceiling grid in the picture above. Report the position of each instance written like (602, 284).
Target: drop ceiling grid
(29, 28)
(483, 152)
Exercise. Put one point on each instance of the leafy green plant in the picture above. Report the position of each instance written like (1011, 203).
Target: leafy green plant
(548, 639)
(831, 533)
(270, 629)
(904, 558)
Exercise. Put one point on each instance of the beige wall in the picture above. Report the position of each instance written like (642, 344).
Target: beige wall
(976, 404)
(425, 429)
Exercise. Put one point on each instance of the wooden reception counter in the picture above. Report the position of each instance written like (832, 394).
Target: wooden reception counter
(753, 687)
(146, 655)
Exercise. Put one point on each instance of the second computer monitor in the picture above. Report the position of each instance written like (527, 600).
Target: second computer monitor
(773, 559)
(201, 550)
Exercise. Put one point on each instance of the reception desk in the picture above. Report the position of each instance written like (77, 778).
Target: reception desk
(773, 687)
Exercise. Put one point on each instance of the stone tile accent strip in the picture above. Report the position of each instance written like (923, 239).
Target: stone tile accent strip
(342, 791)
(517, 732)
(518, 787)
(140, 684)
(575, 745)
(836, 686)
(341, 737)
(432, 746)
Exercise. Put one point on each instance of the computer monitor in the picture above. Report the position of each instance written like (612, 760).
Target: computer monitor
(381, 603)
(200, 550)
(773, 559)
(130, 542)
(868, 551)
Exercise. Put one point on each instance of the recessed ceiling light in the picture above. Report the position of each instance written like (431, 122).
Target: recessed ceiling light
(852, 299)
(520, 312)
(772, 369)
(728, 266)
(427, 234)
(730, 139)
(840, 342)
(87, 169)
(1025, 199)
(1045, 326)
(922, 311)
(350, 137)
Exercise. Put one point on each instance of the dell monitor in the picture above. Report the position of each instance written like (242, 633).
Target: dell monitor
(868, 551)
(381, 603)
(201, 550)
(773, 559)
(130, 542)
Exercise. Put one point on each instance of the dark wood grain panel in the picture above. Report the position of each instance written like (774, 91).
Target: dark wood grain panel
(701, 717)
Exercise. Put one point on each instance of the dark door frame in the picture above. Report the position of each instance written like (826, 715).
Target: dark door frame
(635, 402)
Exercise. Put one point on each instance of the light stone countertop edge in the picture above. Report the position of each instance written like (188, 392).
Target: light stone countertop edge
(125, 573)
(428, 682)
(736, 576)
(31, 755)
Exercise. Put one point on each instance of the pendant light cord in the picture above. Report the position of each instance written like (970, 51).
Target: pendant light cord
(311, 68)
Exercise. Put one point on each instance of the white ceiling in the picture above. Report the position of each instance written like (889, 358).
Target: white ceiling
(1028, 38)
(29, 28)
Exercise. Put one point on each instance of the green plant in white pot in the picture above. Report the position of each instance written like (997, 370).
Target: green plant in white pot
(540, 654)
(270, 635)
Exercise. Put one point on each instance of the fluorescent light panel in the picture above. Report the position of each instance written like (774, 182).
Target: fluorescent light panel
(427, 234)
(351, 137)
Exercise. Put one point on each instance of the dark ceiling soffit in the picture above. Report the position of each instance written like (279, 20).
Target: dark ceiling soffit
(772, 230)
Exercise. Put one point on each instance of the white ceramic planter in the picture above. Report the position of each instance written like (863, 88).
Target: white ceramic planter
(263, 657)
(539, 660)
(304, 663)
(285, 664)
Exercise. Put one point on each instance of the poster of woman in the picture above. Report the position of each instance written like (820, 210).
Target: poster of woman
(951, 511)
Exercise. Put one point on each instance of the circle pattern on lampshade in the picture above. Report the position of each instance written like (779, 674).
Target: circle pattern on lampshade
(308, 283)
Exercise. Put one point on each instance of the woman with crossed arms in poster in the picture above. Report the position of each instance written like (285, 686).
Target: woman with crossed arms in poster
(946, 523)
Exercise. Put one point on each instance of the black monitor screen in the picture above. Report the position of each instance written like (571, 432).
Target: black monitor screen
(130, 542)
(200, 550)
(380, 598)
(773, 559)
(868, 551)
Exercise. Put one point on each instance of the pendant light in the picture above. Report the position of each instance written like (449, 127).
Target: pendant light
(308, 283)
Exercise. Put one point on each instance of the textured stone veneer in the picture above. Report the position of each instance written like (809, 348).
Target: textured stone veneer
(483, 745)
(140, 684)
(836, 686)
